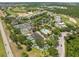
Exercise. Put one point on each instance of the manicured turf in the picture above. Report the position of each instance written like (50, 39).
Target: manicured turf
(2, 49)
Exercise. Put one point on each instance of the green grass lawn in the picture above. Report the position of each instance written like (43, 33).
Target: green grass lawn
(72, 48)
(66, 20)
(35, 52)
(2, 49)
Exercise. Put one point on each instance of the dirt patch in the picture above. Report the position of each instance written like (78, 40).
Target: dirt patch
(24, 14)
(1, 13)
(16, 52)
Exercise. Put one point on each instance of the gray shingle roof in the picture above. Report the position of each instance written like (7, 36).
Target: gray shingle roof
(37, 36)
(25, 25)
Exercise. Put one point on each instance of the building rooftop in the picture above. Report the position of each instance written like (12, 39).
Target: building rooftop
(58, 22)
(25, 25)
(58, 19)
(37, 35)
(45, 31)
(25, 28)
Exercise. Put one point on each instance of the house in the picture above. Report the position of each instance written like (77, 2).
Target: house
(26, 28)
(22, 26)
(58, 22)
(37, 35)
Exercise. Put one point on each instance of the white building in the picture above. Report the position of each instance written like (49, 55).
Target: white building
(58, 22)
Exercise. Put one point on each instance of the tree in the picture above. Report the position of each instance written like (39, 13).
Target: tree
(29, 45)
(40, 42)
(24, 54)
(13, 37)
(17, 31)
(21, 38)
(53, 52)
(56, 31)
(29, 48)
(19, 46)
(52, 42)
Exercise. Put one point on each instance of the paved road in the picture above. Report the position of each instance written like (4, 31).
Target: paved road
(5, 41)
(61, 47)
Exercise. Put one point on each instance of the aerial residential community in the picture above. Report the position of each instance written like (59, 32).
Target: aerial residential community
(41, 29)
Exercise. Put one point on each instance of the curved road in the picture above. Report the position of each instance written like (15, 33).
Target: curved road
(5, 41)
